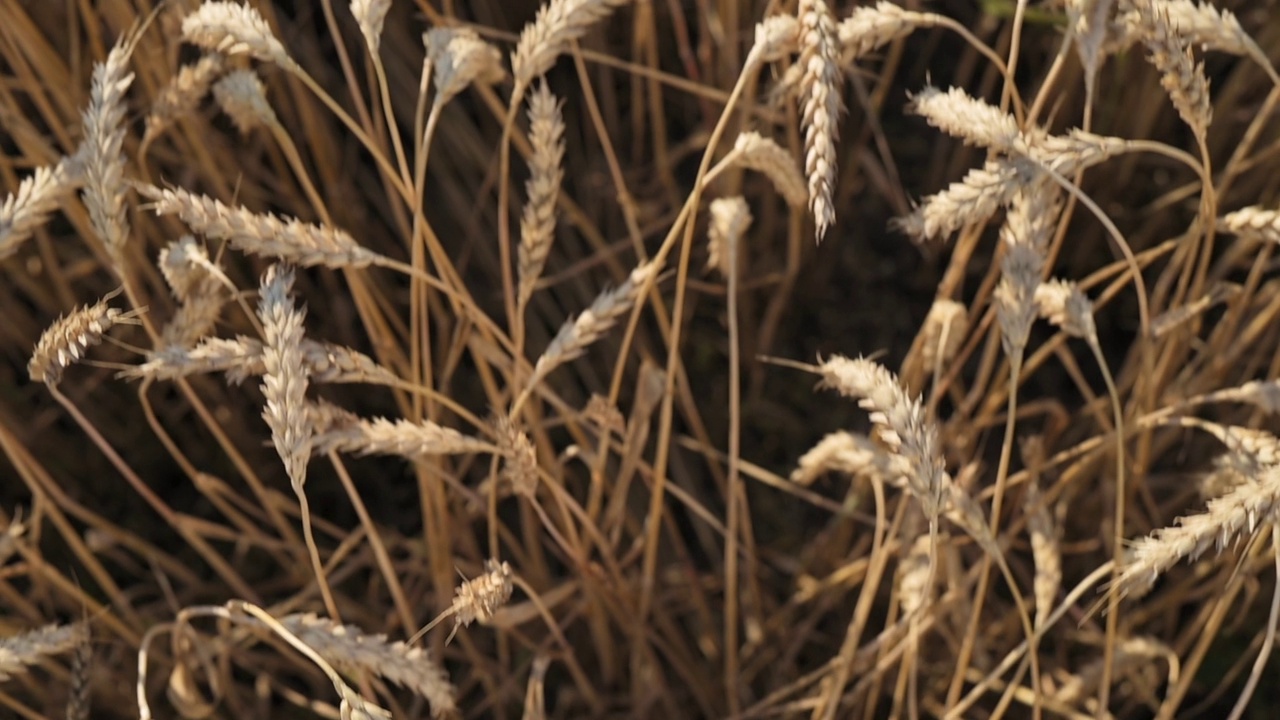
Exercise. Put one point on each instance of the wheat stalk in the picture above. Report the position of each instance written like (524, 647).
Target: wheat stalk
(820, 84)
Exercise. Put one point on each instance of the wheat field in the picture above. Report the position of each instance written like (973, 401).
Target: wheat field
(634, 359)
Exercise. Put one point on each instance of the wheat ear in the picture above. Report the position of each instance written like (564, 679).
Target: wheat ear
(19, 652)
(1170, 52)
(103, 148)
(234, 29)
(242, 96)
(36, 199)
(65, 341)
(183, 93)
(971, 201)
(380, 436)
(730, 220)
(754, 151)
(538, 221)
(820, 84)
(370, 16)
(558, 23)
(284, 383)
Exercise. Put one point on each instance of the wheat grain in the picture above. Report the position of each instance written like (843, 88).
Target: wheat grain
(65, 341)
(18, 652)
(756, 152)
(284, 383)
(558, 23)
(37, 197)
(730, 219)
(261, 233)
(900, 422)
(820, 84)
(353, 652)
(538, 221)
(183, 92)
(234, 29)
(242, 96)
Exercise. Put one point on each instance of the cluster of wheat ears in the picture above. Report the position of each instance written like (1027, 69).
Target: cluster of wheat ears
(553, 479)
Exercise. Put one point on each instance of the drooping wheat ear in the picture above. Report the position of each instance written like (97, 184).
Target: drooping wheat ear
(1170, 52)
(480, 597)
(558, 23)
(852, 454)
(263, 234)
(900, 421)
(183, 93)
(103, 148)
(754, 151)
(1253, 222)
(1046, 551)
(242, 357)
(943, 331)
(870, 28)
(1199, 24)
(80, 700)
(1227, 518)
(777, 37)
(355, 653)
(1091, 20)
(37, 197)
(820, 86)
(235, 29)
(66, 340)
(538, 221)
(519, 470)
(23, 650)
(187, 268)
(972, 201)
(242, 96)
(380, 436)
(576, 335)
(1028, 228)
(284, 384)
(195, 318)
(1062, 303)
(730, 219)
(370, 16)
(459, 58)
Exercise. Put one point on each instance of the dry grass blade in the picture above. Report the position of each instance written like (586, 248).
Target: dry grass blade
(284, 383)
(66, 340)
(261, 233)
(23, 212)
(538, 221)
(558, 23)
(353, 652)
(820, 86)
(19, 652)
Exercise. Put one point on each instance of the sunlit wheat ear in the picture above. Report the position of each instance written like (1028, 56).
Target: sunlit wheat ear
(519, 472)
(1180, 75)
(756, 152)
(1062, 303)
(380, 436)
(242, 96)
(354, 653)
(18, 652)
(102, 150)
(1227, 519)
(777, 37)
(66, 340)
(480, 597)
(821, 82)
(538, 221)
(900, 422)
(1226, 472)
(183, 92)
(370, 16)
(1201, 25)
(870, 28)
(558, 23)
(460, 58)
(730, 219)
(38, 196)
(958, 114)
(1252, 222)
(851, 454)
(234, 29)
(284, 384)
(577, 334)
(263, 234)
(972, 201)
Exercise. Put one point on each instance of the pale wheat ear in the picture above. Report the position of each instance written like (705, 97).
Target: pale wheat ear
(820, 85)
(37, 197)
(182, 94)
(243, 97)
(557, 24)
(20, 651)
(234, 29)
(370, 15)
(66, 340)
(538, 220)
